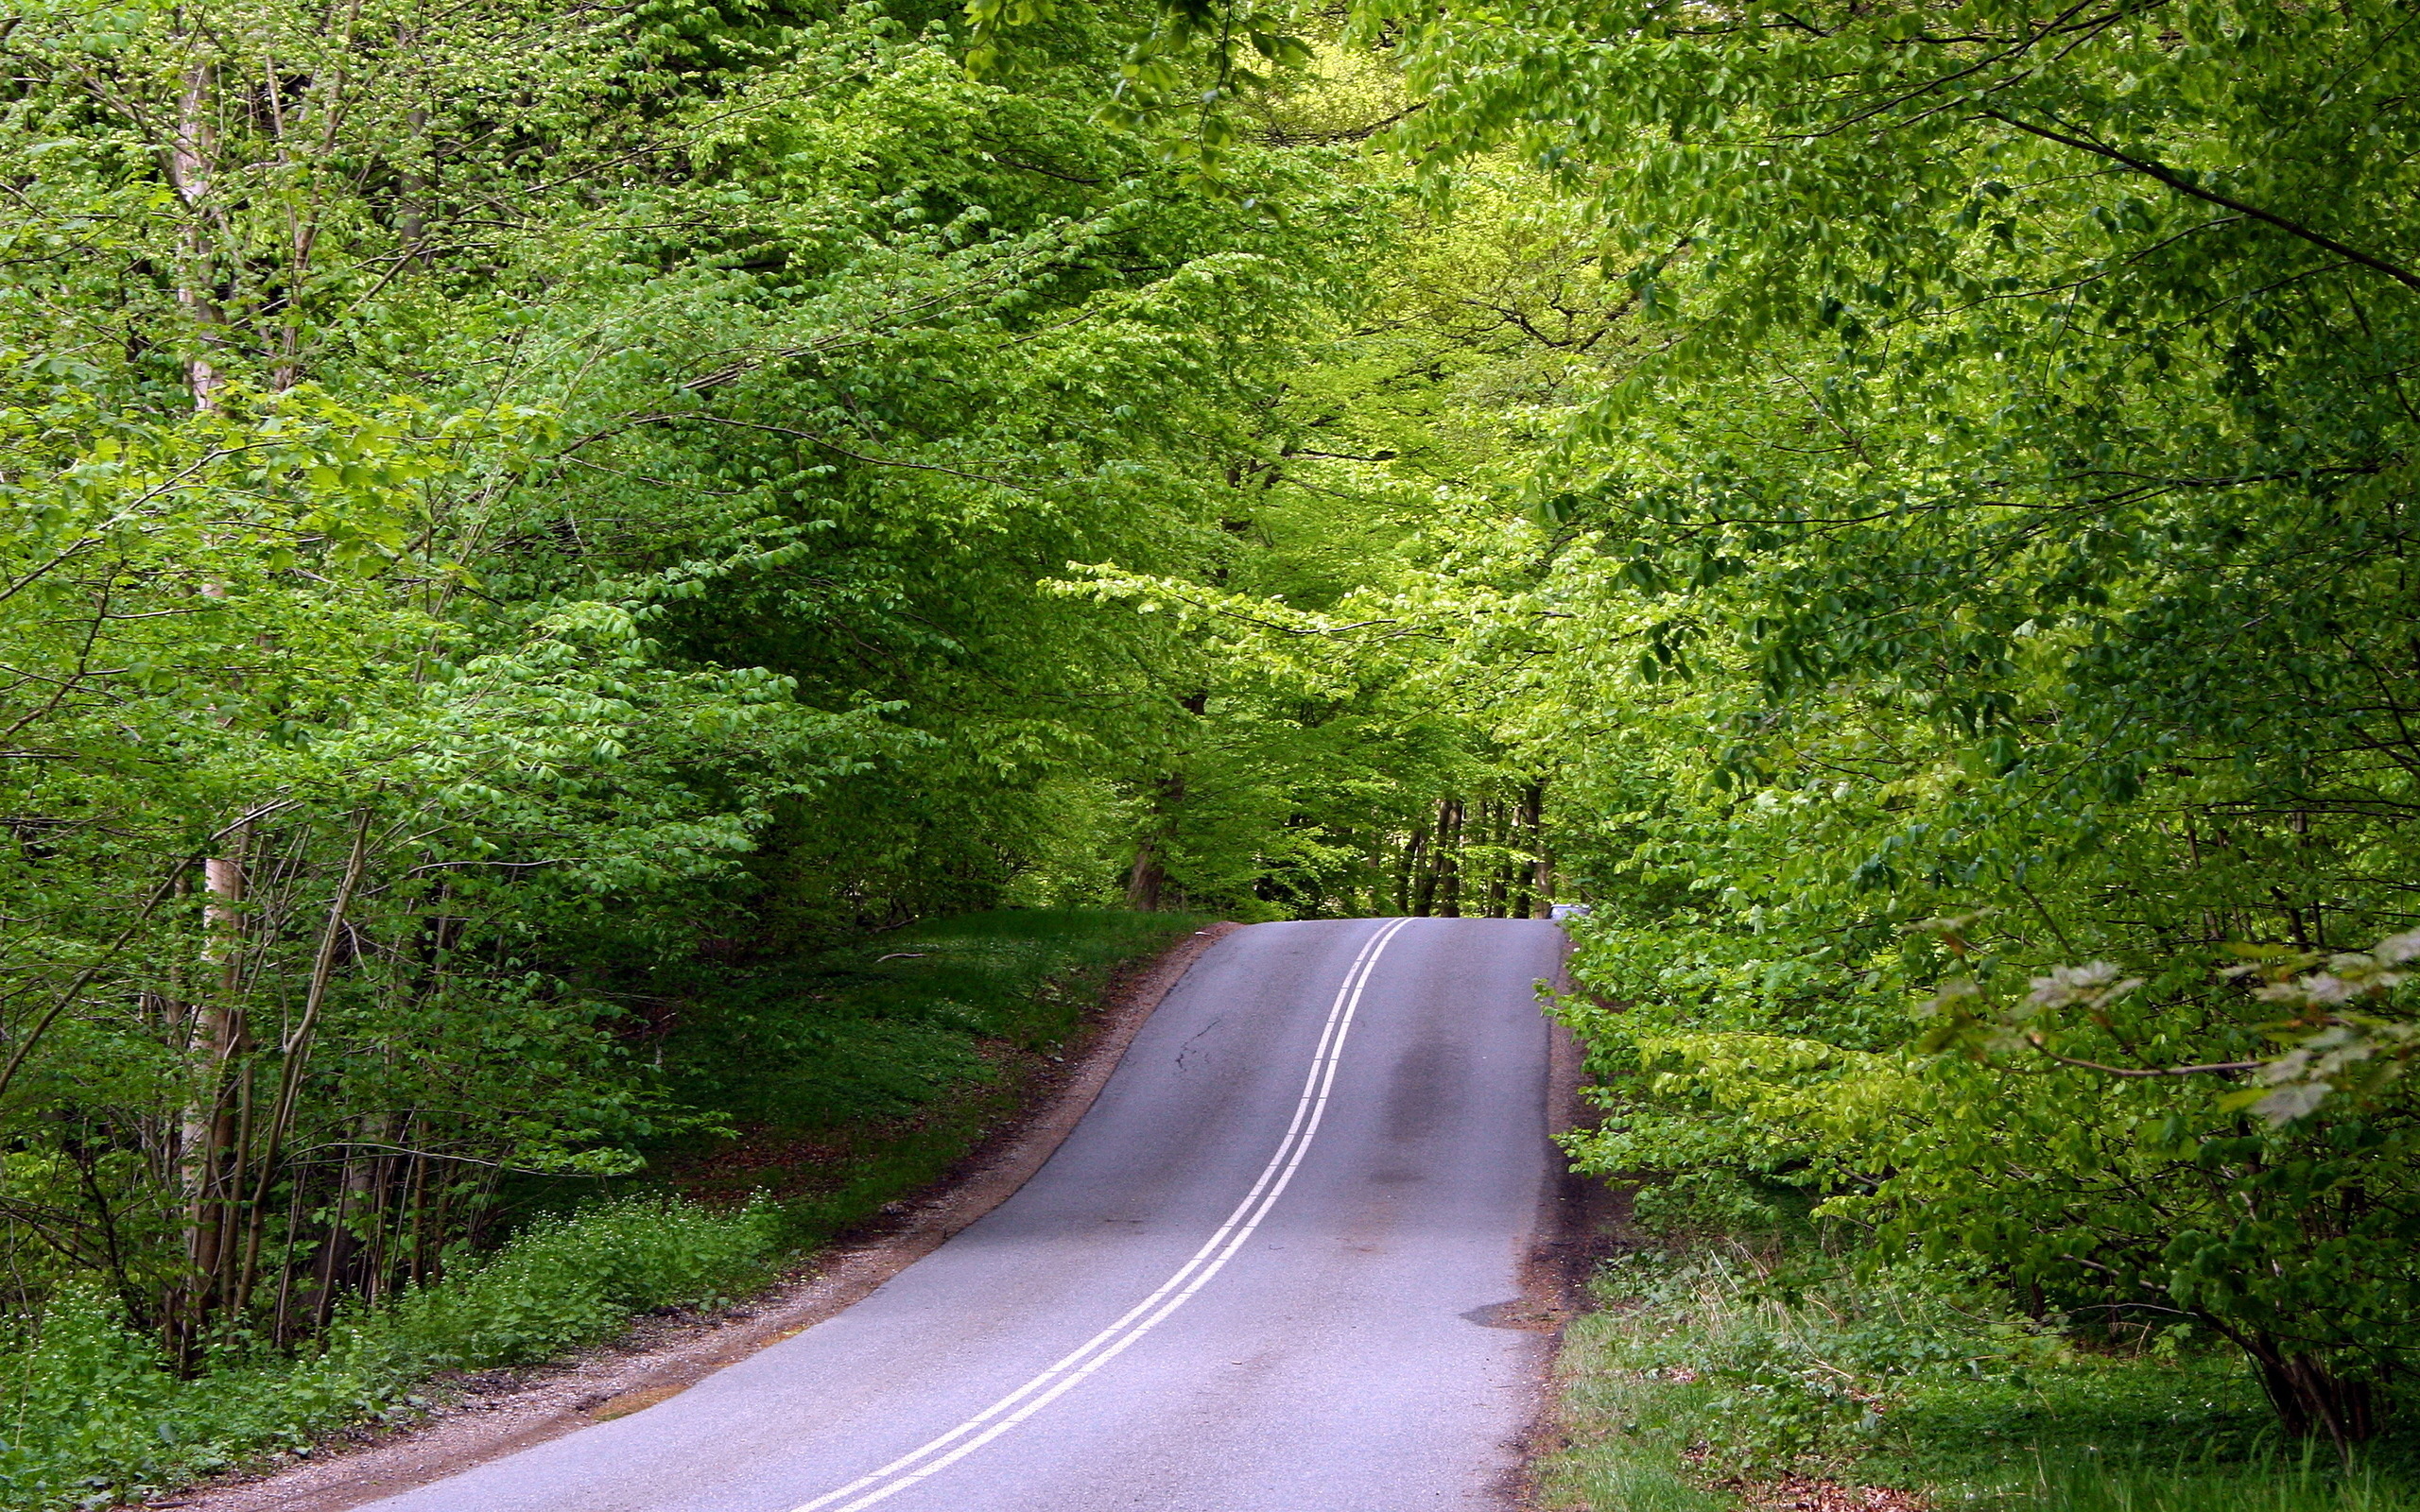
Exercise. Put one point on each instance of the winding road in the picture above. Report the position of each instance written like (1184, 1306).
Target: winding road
(1263, 1274)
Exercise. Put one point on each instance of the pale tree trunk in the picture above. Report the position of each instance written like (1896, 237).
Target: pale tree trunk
(192, 172)
(353, 1196)
(210, 1129)
(411, 221)
(209, 1126)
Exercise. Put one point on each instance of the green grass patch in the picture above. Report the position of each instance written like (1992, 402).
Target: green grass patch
(850, 1077)
(1722, 1367)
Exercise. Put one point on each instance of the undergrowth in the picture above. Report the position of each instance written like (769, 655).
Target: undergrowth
(94, 1414)
(1723, 1373)
(851, 1076)
(846, 1081)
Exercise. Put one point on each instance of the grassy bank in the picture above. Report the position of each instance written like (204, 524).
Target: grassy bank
(842, 1082)
(851, 1077)
(1728, 1374)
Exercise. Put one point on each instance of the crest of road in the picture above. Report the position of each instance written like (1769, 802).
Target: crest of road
(1259, 1276)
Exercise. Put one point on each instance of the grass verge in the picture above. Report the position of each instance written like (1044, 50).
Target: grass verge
(861, 1073)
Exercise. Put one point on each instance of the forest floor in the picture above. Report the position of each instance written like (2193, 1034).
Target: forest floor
(478, 1417)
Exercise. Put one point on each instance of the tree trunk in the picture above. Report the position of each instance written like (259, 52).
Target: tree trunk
(295, 1054)
(1493, 825)
(1424, 892)
(192, 172)
(1147, 883)
(208, 1131)
(1408, 872)
(1147, 880)
(2313, 1401)
(1449, 859)
(1538, 898)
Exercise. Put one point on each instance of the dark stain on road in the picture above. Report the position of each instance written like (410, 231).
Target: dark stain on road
(1424, 1086)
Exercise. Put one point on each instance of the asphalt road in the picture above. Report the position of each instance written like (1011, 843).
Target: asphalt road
(1255, 1278)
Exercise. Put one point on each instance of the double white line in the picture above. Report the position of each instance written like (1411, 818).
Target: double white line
(939, 1454)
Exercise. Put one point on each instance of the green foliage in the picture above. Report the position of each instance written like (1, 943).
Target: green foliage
(896, 1027)
(1805, 1362)
(567, 1281)
(1905, 509)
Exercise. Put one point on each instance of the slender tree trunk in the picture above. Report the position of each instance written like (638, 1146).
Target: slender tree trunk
(2313, 1401)
(1424, 894)
(1408, 872)
(1449, 859)
(207, 1128)
(295, 1054)
(416, 1207)
(1540, 895)
(336, 1253)
(210, 1126)
(192, 173)
(1494, 825)
(411, 223)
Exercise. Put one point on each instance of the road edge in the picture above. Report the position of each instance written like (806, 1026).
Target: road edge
(1582, 1222)
(505, 1412)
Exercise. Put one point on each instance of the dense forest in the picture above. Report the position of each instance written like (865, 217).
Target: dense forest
(545, 536)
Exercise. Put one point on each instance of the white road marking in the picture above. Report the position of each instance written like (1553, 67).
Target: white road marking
(928, 1460)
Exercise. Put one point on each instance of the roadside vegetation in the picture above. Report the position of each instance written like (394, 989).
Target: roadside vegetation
(840, 1084)
(1791, 1365)
(547, 540)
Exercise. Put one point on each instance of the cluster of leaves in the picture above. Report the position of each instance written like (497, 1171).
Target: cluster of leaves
(2332, 1047)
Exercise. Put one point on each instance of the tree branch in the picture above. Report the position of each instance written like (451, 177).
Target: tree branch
(2183, 185)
